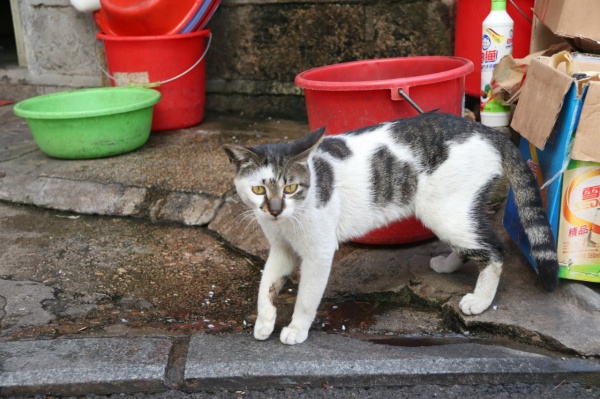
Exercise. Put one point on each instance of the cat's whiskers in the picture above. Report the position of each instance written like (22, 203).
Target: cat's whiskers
(244, 216)
(247, 218)
(297, 224)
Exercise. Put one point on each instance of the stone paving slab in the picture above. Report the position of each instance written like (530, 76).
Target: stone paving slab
(80, 366)
(240, 362)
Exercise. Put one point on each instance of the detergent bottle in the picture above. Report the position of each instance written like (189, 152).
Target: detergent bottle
(497, 42)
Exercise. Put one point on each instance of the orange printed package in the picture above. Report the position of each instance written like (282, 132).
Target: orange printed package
(579, 228)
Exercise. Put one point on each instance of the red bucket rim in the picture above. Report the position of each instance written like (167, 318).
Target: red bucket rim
(179, 36)
(462, 68)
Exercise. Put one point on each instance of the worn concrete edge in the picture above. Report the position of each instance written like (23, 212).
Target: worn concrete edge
(111, 199)
(389, 380)
(271, 365)
(281, 366)
(538, 375)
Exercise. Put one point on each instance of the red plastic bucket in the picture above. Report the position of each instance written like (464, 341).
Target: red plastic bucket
(351, 95)
(469, 17)
(171, 64)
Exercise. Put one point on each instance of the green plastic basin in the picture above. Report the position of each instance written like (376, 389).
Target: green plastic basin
(90, 123)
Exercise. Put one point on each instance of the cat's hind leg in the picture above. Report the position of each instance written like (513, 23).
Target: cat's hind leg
(472, 235)
(482, 245)
(488, 252)
(447, 264)
(278, 268)
(485, 289)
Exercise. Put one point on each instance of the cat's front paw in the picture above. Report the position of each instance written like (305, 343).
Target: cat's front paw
(264, 325)
(472, 304)
(262, 332)
(292, 335)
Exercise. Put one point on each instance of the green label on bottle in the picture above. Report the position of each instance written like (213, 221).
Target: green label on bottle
(493, 106)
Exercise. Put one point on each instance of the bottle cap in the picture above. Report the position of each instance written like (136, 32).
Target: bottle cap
(498, 5)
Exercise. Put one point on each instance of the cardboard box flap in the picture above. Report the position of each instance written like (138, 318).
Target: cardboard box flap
(586, 146)
(540, 102)
(570, 18)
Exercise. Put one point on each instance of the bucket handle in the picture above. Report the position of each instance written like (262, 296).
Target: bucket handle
(404, 95)
(403, 92)
(521, 11)
(155, 84)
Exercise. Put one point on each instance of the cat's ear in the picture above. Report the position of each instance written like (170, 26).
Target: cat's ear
(308, 144)
(240, 157)
(313, 139)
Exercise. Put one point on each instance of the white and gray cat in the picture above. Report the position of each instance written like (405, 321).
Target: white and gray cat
(312, 193)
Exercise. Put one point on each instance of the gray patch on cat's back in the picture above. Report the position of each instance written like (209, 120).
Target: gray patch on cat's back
(336, 147)
(429, 136)
(393, 180)
(325, 179)
(424, 139)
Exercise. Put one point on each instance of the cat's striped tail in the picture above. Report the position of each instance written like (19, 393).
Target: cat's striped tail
(533, 215)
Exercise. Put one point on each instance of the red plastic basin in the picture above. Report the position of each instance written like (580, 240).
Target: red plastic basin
(352, 95)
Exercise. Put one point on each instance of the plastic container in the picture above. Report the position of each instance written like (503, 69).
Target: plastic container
(86, 5)
(201, 17)
(90, 123)
(469, 18)
(205, 18)
(145, 17)
(172, 64)
(497, 42)
(351, 95)
(208, 15)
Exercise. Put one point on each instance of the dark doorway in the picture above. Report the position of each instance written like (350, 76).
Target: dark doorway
(8, 44)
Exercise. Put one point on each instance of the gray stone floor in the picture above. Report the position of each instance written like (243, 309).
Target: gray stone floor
(142, 256)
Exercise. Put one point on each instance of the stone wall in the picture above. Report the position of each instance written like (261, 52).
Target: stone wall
(258, 47)
(58, 45)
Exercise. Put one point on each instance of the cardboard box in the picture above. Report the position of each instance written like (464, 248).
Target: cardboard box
(574, 20)
(542, 37)
(557, 116)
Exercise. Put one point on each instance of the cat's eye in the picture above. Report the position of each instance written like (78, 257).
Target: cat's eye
(290, 188)
(258, 190)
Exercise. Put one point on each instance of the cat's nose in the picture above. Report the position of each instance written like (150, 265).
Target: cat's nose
(275, 206)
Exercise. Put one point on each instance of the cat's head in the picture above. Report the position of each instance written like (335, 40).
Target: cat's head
(273, 179)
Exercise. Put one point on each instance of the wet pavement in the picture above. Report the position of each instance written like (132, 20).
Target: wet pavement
(140, 268)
